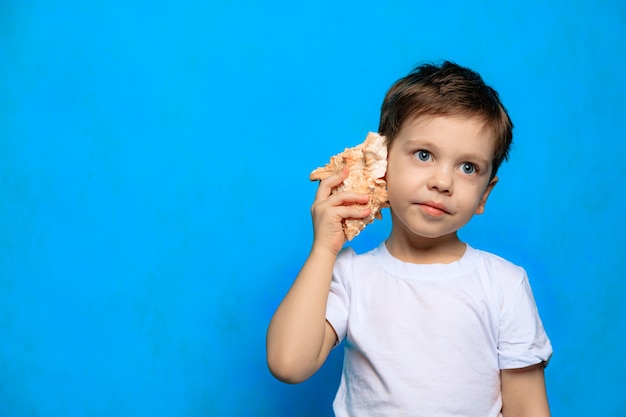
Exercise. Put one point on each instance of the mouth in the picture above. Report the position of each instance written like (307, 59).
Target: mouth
(434, 209)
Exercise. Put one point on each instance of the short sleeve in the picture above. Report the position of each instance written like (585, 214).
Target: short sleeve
(522, 340)
(338, 304)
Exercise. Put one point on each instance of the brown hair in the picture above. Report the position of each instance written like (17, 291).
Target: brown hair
(446, 90)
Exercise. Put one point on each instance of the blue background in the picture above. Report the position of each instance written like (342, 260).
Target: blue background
(154, 209)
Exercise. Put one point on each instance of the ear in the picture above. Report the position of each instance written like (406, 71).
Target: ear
(483, 200)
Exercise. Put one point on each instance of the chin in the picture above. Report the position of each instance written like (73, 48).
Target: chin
(415, 228)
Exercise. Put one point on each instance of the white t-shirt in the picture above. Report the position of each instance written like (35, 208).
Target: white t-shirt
(430, 340)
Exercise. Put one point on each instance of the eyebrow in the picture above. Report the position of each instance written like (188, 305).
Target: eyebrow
(477, 158)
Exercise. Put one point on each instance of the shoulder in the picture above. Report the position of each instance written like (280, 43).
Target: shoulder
(498, 266)
(347, 255)
(500, 276)
(349, 263)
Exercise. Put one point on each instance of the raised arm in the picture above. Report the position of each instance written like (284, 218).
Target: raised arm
(524, 392)
(299, 338)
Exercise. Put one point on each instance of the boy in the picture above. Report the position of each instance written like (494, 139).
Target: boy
(432, 326)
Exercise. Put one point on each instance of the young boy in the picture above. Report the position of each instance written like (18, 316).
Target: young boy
(432, 326)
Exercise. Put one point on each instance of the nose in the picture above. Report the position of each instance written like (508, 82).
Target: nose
(441, 180)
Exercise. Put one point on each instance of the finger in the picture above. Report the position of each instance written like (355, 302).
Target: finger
(341, 207)
(351, 212)
(326, 185)
(346, 198)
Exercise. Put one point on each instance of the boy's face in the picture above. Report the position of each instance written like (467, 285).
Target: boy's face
(438, 174)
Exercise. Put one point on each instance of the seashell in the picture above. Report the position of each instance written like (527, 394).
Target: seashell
(368, 164)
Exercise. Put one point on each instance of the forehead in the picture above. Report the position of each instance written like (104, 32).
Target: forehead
(467, 133)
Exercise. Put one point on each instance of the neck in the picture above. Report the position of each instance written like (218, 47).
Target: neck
(422, 250)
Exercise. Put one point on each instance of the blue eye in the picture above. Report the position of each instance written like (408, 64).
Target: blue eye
(422, 155)
(468, 168)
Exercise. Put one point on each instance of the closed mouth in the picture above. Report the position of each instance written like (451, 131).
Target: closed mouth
(434, 208)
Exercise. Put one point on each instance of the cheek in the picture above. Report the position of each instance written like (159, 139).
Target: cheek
(397, 170)
(479, 196)
(390, 175)
(395, 182)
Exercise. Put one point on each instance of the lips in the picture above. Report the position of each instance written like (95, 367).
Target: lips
(433, 208)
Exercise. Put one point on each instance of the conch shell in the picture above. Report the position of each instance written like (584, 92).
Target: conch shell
(368, 165)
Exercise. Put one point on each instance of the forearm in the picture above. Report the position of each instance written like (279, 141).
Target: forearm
(298, 337)
(524, 392)
(297, 331)
(529, 411)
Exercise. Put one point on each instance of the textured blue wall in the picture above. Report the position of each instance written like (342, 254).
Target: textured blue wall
(154, 193)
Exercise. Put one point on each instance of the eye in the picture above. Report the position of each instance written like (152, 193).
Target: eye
(422, 155)
(468, 168)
